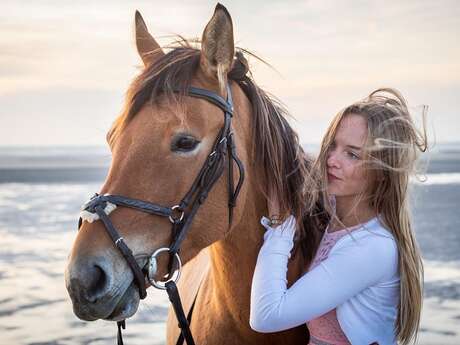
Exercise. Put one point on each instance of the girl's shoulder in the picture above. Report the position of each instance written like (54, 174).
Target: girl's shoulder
(372, 243)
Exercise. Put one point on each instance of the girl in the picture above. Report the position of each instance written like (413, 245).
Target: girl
(365, 284)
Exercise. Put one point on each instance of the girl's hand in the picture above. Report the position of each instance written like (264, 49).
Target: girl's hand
(274, 211)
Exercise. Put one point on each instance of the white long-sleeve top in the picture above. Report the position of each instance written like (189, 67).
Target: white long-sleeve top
(359, 278)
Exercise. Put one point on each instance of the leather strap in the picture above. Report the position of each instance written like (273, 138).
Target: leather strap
(127, 202)
(125, 251)
(233, 194)
(173, 295)
(181, 338)
(120, 324)
(212, 97)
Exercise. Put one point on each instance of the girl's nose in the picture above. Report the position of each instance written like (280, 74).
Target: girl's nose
(332, 161)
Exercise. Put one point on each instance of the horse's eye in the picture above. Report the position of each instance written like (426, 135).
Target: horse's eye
(184, 143)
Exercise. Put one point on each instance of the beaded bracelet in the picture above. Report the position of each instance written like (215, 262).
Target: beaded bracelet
(276, 220)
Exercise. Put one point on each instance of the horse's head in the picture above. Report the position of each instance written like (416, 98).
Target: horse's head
(159, 144)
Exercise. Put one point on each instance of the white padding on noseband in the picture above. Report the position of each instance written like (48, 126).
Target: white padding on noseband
(91, 217)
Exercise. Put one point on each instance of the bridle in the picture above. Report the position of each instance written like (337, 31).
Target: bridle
(180, 215)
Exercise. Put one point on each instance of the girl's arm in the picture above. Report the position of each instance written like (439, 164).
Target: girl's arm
(345, 273)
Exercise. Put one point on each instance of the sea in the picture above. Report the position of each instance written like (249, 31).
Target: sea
(42, 188)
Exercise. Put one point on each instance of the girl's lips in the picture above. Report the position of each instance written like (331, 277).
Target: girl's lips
(331, 177)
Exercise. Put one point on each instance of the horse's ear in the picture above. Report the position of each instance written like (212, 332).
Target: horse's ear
(217, 46)
(148, 49)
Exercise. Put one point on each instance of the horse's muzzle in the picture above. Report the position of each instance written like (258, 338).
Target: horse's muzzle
(94, 292)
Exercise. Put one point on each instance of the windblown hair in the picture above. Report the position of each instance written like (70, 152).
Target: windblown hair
(393, 144)
(275, 147)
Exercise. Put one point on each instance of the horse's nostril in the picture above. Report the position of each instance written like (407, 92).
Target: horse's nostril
(97, 283)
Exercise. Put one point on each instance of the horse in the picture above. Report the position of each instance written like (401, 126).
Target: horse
(159, 142)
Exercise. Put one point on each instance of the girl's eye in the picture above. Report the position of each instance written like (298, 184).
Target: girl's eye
(331, 148)
(352, 155)
(184, 143)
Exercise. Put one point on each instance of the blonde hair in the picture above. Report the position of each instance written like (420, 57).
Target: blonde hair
(393, 144)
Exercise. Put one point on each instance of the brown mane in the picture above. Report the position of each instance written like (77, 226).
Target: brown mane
(275, 146)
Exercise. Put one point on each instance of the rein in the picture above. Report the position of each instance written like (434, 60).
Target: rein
(180, 215)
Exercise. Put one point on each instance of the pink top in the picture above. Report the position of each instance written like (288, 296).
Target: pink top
(325, 330)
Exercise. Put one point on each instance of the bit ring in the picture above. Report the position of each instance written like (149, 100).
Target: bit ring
(152, 269)
(176, 219)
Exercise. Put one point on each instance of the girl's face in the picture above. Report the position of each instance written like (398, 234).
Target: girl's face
(346, 172)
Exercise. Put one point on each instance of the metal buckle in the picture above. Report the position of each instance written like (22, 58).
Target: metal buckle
(176, 219)
(153, 266)
(223, 140)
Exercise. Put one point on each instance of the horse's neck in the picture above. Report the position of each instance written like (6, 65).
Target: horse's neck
(233, 260)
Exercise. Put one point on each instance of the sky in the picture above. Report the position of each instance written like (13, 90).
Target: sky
(65, 65)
